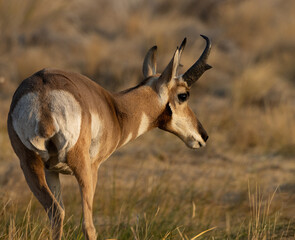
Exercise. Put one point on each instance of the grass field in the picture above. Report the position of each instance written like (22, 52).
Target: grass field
(241, 186)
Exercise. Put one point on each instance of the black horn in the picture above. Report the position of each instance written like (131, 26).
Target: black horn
(200, 66)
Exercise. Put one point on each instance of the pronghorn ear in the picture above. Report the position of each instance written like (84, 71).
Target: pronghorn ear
(171, 69)
(181, 48)
(149, 67)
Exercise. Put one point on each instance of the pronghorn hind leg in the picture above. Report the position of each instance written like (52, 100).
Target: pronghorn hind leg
(52, 179)
(94, 169)
(33, 169)
(83, 173)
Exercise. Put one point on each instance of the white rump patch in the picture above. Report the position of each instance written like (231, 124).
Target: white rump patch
(144, 125)
(66, 115)
(25, 119)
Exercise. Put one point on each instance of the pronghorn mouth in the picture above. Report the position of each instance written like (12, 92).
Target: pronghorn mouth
(193, 143)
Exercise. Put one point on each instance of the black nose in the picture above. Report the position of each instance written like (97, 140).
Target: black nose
(202, 131)
(204, 134)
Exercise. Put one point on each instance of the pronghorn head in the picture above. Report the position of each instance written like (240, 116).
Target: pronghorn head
(173, 91)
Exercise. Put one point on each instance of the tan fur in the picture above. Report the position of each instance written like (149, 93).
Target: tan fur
(108, 121)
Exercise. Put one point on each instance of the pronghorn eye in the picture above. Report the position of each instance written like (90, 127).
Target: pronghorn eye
(183, 96)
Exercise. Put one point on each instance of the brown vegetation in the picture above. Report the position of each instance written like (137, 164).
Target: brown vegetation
(243, 182)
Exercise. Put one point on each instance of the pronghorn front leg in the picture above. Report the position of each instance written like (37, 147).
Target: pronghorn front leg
(80, 163)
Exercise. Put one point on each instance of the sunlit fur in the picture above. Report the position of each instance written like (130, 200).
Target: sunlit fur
(62, 122)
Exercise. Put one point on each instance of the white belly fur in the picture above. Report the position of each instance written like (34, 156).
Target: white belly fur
(66, 115)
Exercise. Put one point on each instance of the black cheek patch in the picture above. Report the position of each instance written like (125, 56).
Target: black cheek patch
(164, 118)
(168, 110)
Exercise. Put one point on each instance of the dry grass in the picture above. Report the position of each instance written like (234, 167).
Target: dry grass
(160, 212)
(242, 183)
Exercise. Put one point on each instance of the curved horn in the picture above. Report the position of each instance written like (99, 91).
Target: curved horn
(182, 45)
(181, 48)
(200, 66)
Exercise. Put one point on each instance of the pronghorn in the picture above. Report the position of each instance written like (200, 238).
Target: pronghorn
(62, 122)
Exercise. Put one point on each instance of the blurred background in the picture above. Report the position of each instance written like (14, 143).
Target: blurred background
(242, 183)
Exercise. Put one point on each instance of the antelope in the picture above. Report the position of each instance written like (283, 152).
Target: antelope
(64, 123)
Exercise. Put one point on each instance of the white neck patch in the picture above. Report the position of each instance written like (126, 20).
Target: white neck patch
(144, 125)
(129, 137)
(95, 135)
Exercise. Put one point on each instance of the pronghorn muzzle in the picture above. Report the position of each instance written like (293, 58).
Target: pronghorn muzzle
(198, 140)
